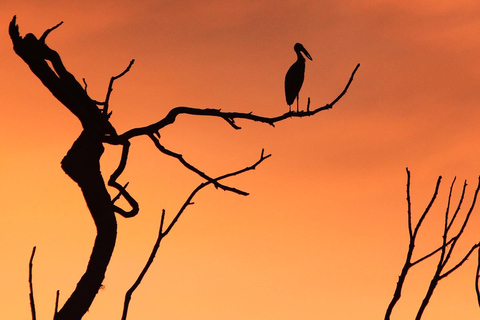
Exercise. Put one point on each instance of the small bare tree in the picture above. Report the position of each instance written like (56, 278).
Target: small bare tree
(82, 162)
(444, 250)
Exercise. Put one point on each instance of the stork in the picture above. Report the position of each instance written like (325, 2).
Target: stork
(295, 76)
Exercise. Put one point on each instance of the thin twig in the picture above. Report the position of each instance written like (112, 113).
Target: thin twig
(459, 264)
(459, 205)
(110, 86)
(459, 234)
(180, 158)
(409, 206)
(427, 209)
(477, 276)
(30, 282)
(431, 253)
(188, 201)
(413, 232)
(445, 256)
(47, 32)
(56, 303)
(128, 295)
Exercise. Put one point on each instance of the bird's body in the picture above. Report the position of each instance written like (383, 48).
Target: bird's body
(295, 76)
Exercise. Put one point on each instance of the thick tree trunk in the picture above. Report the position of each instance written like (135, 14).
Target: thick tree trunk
(82, 165)
(82, 162)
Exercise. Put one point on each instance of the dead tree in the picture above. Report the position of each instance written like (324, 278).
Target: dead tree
(82, 162)
(444, 250)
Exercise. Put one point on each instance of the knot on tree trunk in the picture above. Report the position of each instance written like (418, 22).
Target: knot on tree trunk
(83, 159)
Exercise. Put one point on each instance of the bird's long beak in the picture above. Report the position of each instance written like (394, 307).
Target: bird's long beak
(306, 53)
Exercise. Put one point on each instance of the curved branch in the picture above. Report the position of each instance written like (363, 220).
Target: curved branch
(47, 32)
(122, 189)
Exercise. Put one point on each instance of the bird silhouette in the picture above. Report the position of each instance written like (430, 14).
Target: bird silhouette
(295, 75)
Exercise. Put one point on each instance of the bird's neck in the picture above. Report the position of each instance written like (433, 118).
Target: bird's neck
(300, 56)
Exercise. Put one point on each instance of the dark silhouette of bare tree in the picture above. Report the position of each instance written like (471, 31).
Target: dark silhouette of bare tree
(82, 161)
(445, 249)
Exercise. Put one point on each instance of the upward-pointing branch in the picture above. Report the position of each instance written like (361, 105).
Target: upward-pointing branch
(30, 282)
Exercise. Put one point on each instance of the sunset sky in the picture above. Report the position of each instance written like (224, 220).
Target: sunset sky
(323, 233)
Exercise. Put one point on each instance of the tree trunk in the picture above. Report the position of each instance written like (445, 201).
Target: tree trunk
(81, 164)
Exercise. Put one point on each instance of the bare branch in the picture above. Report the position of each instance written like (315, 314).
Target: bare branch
(30, 282)
(122, 191)
(162, 234)
(180, 158)
(344, 90)
(172, 115)
(477, 276)
(56, 303)
(432, 253)
(128, 295)
(459, 234)
(458, 265)
(409, 206)
(231, 122)
(446, 224)
(429, 206)
(110, 86)
(444, 258)
(201, 186)
(47, 32)
(459, 205)
(413, 232)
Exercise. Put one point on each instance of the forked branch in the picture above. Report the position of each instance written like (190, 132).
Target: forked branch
(162, 234)
(153, 131)
(445, 250)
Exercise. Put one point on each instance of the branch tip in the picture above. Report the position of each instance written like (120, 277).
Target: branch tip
(47, 32)
(30, 282)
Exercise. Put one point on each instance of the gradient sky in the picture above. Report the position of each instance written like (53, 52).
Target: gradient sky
(323, 234)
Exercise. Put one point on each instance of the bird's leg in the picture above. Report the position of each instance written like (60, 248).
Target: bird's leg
(297, 102)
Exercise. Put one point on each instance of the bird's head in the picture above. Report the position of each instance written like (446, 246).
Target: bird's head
(300, 48)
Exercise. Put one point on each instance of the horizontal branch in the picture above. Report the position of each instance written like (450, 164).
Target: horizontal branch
(228, 116)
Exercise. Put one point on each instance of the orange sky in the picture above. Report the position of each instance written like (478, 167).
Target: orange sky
(323, 234)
